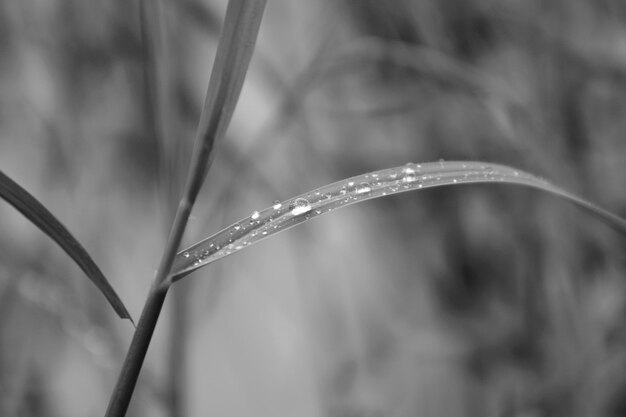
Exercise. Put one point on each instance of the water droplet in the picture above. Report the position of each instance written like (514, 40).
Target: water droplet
(363, 188)
(409, 173)
(300, 206)
(186, 255)
(237, 227)
(255, 215)
(276, 205)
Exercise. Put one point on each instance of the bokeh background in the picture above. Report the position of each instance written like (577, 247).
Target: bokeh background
(482, 300)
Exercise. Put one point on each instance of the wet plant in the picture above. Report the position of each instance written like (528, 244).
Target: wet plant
(235, 49)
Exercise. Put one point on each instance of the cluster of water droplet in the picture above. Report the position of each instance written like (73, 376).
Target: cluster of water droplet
(280, 216)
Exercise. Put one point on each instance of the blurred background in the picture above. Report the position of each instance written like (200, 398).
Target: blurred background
(482, 300)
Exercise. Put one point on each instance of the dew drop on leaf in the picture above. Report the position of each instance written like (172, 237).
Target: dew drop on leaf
(300, 206)
(276, 205)
(255, 215)
(363, 188)
(409, 173)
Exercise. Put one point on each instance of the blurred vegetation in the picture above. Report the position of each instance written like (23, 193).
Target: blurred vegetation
(462, 301)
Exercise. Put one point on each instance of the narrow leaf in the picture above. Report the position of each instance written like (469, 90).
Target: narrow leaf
(34, 211)
(234, 52)
(283, 215)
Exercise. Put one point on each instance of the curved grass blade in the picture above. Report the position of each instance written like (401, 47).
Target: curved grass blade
(34, 211)
(283, 215)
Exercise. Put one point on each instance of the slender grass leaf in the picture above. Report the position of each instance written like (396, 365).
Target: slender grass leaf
(283, 215)
(234, 52)
(34, 211)
(236, 45)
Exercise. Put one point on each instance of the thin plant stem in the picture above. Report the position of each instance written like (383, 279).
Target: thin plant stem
(123, 392)
(178, 344)
(161, 66)
(127, 380)
(235, 48)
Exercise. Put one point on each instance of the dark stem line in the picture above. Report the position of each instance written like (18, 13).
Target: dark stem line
(127, 380)
(178, 344)
(234, 51)
(129, 374)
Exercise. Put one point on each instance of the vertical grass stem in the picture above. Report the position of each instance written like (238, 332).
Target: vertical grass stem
(235, 48)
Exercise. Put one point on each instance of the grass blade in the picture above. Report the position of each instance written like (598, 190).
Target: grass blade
(34, 211)
(283, 215)
(234, 51)
(236, 46)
